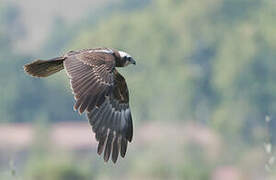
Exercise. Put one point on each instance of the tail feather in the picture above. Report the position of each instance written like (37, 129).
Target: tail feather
(44, 68)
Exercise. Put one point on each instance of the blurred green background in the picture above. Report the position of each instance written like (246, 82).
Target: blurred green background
(201, 92)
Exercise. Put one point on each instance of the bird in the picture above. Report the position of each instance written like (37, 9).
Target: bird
(99, 90)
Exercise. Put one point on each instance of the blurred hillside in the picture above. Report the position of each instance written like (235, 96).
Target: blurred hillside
(208, 62)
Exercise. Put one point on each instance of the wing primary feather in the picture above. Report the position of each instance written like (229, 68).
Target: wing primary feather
(104, 120)
(84, 104)
(123, 146)
(102, 142)
(78, 77)
(75, 64)
(95, 118)
(76, 69)
(87, 89)
(80, 72)
(89, 83)
(113, 120)
(99, 133)
(108, 118)
(98, 123)
(92, 104)
(101, 97)
(115, 152)
(79, 81)
(78, 103)
(129, 129)
(108, 146)
(91, 114)
(117, 121)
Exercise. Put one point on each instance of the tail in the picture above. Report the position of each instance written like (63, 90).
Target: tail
(44, 68)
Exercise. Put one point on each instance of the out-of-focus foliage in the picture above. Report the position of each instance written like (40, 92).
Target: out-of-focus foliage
(46, 169)
(212, 61)
(24, 98)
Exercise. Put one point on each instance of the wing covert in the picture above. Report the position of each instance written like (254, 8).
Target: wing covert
(91, 79)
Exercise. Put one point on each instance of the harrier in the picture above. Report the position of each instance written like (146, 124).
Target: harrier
(99, 90)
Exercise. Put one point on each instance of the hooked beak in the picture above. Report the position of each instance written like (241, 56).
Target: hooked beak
(132, 61)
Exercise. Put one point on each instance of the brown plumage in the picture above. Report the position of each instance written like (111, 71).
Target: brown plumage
(99, 90)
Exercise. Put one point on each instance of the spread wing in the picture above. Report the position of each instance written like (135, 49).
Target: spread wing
(112, 121)
(91, 78)
(102, 92)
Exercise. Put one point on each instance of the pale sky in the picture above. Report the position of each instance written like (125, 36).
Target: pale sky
(38, 15)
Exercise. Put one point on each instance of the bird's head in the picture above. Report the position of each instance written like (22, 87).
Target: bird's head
(126, 58)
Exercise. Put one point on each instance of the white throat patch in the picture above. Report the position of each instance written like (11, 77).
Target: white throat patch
(123, 54)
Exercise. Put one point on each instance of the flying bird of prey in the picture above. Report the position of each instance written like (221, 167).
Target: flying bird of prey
(99, 90)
